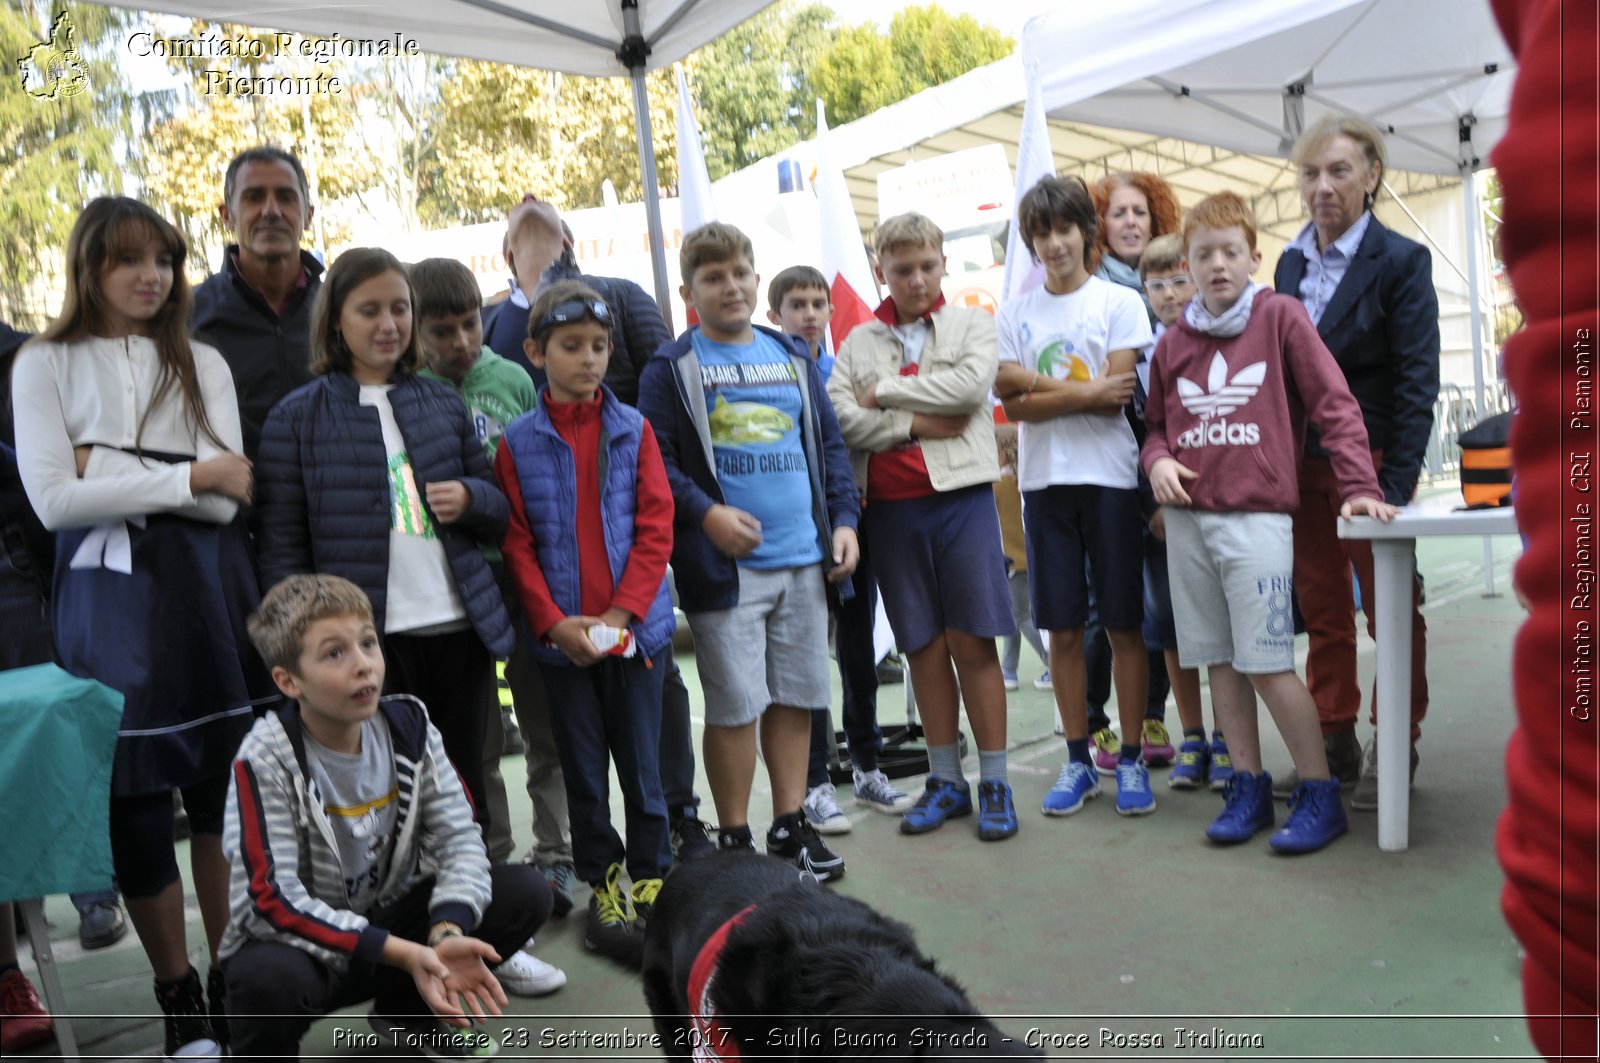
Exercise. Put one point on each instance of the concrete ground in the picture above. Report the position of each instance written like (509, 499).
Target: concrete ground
(1119, 932)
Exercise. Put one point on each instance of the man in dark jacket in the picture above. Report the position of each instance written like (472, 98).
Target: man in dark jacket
(256, 309)
(539, 251)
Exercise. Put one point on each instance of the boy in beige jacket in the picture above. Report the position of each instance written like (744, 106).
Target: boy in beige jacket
(911, 390)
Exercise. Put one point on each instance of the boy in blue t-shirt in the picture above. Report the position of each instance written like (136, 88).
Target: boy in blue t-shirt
(766, 516)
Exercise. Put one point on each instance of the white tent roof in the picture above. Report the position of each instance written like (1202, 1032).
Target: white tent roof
(1248, 75)
(1196, 93)
(572, 36)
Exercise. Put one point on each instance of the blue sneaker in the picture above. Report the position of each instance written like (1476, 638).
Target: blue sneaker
(1221, 762)
(1076, 784)
(997, 811)
(1246, 808)
(941, 800)
(1134, 797)
(1011, 679)
(1194, 763)
(1316, 817)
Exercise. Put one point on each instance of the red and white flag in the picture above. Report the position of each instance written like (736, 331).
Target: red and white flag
(694, 184)
(1035, 159)
(844, 257)
(695, 205)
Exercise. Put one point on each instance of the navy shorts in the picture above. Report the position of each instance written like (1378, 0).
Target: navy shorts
(1068, 523)
(940, 564)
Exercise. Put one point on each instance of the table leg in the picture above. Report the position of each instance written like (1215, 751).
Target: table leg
(1393, 570)
(49, 980)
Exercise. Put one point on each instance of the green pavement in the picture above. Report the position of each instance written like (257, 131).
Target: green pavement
(1101, 931)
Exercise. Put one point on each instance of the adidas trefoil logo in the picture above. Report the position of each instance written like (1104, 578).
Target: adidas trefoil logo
(1217, 399)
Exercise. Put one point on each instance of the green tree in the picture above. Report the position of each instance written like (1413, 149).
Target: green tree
(862, 70)
(58, 141)
(755, 97)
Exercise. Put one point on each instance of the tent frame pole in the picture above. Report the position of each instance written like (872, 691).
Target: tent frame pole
(633, 53)
(1469, 197)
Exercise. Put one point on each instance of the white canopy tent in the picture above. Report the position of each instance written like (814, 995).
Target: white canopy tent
(1212, 95)
(593, 38)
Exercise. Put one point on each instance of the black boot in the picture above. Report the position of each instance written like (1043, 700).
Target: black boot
(189, 1032)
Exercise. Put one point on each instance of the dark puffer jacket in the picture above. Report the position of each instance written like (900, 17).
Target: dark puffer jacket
(637, 334)
(322, 488)
(269, 354)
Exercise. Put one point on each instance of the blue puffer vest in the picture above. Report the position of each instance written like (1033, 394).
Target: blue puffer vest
(549, 481)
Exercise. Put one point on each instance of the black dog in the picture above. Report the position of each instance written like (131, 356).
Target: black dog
(801, 973)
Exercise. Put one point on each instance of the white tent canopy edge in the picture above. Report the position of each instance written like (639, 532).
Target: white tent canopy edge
(613, 38)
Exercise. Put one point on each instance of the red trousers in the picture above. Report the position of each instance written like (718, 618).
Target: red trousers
(1322, 563)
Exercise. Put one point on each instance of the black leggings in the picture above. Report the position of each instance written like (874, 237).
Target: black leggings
(142, 851)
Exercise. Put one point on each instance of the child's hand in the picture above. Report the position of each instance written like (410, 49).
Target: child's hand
(846, 553)
(1367, 507)
(467, 975)
(571, 637)
(731, 530)
(429, 972)
(869, 398)
(937, 425)
(1158, 524)
(617, 617)
(1166, 479)
(227, 474)
(448, 499)
(1113, 392)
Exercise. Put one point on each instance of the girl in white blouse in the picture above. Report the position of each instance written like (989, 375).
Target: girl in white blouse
(128, 443)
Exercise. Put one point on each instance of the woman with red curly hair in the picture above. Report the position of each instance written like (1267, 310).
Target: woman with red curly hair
(1134, 209)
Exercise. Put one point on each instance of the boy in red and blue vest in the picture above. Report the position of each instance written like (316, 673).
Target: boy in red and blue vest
(588, 546)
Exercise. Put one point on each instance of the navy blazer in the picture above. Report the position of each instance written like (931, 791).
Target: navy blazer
(1382, 325)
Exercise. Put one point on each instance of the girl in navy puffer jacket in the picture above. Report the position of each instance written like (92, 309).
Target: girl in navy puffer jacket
(373, 474)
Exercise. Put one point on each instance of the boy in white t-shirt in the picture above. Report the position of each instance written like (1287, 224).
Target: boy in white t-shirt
(1067, 355)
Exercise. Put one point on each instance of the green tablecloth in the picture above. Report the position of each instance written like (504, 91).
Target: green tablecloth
(57, 737)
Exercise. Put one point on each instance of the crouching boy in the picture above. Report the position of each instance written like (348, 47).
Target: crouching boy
(356, 869)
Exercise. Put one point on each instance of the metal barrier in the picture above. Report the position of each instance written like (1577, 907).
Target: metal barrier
(1455, 411)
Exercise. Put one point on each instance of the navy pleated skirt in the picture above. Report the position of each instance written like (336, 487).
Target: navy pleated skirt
(170, 637)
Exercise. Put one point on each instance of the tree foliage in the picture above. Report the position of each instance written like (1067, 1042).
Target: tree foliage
(56, 153)
(863, 70)
(501, 132)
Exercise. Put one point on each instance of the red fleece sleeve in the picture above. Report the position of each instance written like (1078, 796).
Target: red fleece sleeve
(518, 550)
(652, 531)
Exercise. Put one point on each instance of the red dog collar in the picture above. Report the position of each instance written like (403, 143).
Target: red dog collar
(712, 1042)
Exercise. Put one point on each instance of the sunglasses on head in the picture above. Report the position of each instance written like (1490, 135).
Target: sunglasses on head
(571, 311)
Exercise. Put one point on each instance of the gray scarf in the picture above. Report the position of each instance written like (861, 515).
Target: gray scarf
(1232, 320)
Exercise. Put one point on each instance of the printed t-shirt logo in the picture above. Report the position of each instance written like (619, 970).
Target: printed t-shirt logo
(735, 424)
(1061, 361)
(406, 513)
(1219, 397)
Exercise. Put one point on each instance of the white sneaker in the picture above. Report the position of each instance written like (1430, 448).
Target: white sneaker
(874, 789)
(527, 975)
(822, 810)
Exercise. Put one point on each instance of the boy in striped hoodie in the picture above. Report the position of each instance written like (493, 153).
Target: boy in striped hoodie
(356, 868)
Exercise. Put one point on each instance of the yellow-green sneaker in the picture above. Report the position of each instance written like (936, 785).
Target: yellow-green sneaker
(611, 914)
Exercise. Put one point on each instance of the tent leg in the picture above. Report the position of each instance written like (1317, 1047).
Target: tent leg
(1469, 194)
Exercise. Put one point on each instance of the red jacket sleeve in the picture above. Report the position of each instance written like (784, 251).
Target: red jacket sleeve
(1330, 406)
(652, 531)
(518, 550)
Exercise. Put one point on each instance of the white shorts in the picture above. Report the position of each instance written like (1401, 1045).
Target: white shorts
(1232, 575)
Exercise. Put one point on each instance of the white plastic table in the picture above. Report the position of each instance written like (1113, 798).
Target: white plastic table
(1393, 546)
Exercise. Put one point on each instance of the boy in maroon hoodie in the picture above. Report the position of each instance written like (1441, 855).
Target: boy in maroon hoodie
(1233, 384)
